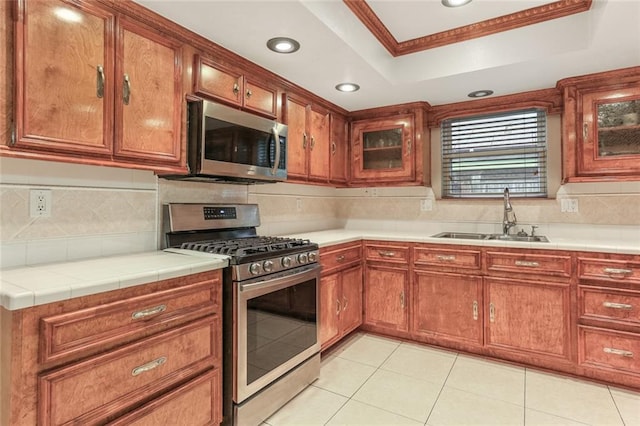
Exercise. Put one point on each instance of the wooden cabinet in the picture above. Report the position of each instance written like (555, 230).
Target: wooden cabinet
(95, 87)
(125, 356)
(386, 287)
(383, 150)
(601, 134)
(609, 317)
(308, 147)
(339, 150)
(340, 292)
(231, 86)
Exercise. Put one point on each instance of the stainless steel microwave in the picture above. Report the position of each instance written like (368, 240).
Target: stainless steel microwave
(227, 144)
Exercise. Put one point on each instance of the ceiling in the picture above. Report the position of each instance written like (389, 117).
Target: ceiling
(337, 47)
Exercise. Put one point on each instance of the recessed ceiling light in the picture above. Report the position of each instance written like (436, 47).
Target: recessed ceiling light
(347, 87)
(455, 3)
(283, 45)
(480, 93)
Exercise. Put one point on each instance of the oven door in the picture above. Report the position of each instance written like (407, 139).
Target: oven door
(277, 328)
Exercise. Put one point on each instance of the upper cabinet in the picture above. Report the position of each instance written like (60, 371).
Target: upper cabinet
(93, 86)
(233, 87)
(601, 134)
(389, 146)
(339, 143)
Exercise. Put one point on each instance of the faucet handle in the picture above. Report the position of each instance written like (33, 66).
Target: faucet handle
(533, 230)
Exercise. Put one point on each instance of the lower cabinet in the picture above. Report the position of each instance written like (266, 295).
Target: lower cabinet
(386, 297)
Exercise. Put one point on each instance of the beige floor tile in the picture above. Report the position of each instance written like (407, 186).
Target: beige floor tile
(399, 394)
(570, 398)
(538, 418)
(420, 362)
(628, 404)
(343, 376)
(455, 407)
(355, 413)
(488, 378)
(313, 406)
(367, 349)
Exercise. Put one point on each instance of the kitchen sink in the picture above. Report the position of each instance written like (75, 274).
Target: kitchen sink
(501, 237)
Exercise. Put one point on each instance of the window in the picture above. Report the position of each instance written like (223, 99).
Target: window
(482, 155)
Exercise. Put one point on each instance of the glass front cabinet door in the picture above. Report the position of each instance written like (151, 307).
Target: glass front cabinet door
(610, 132)
(383, 149)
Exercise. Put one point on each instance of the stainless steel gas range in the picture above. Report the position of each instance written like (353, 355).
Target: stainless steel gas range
(271, 340)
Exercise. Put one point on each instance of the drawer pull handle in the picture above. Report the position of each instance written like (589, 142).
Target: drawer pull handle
(492, 313)
(615, 305)
(617, 271)
(527, 263)
(149, 366)
(147, 312)
(446, 258)
(387, 253)
(475, 310)
(340, 258)
(621, 352)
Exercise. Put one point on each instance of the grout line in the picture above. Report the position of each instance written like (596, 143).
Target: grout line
(615, 404)
(524, 399)
(442, 388)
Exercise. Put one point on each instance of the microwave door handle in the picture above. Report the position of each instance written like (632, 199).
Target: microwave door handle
(276, 140)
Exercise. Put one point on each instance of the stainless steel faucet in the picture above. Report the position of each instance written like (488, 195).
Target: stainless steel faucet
(509, 217)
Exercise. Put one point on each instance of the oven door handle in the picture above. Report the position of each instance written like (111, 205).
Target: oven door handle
(276, 140)
(269, 285)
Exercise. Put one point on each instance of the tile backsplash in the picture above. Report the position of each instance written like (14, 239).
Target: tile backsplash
(99, 211)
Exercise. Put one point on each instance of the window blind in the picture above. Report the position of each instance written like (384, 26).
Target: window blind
(482, 155)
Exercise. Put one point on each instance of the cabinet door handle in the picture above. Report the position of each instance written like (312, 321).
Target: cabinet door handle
(617, 271)
(614, 305)
(148, 312)
(409, 147)
(313, 142)
(402, 299)
(304, 140)
(387, 253)
(527, 263)
(149, 366)
(126, 90)
(492, 313)
(333, 148)
(446, 258)
(621, 352)
(585, 130)
(236, 88)
(340, 258)
(99, 81)
(337, 306)
(249, 93)
(475, 310)
(345, 302)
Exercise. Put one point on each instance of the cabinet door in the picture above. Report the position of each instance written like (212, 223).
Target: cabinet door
(386, 296)
(383, 150)
(260, 98)
(318, 145)
(217, 82)
(148, 95)
(64, 69)
(296, 120)
(330, 308)
(351, 299)
(527, 316)
(339, 143)
(448, 306)
(610, 132)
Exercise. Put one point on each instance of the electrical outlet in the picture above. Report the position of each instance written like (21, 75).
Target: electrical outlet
(569, 205)
(298, 204)
(40, 203)
(426, 205)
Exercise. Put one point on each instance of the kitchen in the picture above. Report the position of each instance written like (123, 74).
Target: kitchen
(89, 204)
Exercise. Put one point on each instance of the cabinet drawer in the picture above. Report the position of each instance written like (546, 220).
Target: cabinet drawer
(197, 403)
(434, 256)
(115, 323)
(340, 257)
(387, 253)
(604, 303)
(604, 348)
(608, 270)
(529, 263)
(92, 390)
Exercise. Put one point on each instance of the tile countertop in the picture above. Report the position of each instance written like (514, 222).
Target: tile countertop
(40, 284)
(338, 236)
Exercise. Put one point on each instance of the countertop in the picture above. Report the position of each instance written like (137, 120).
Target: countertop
(40, 284)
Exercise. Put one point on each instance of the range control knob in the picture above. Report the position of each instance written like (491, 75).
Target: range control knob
(254, 268)
(286, 262)
(313, 256)
(267, 266)
(303, 258)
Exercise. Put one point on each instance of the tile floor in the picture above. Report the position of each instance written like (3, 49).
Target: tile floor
(372, 380)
